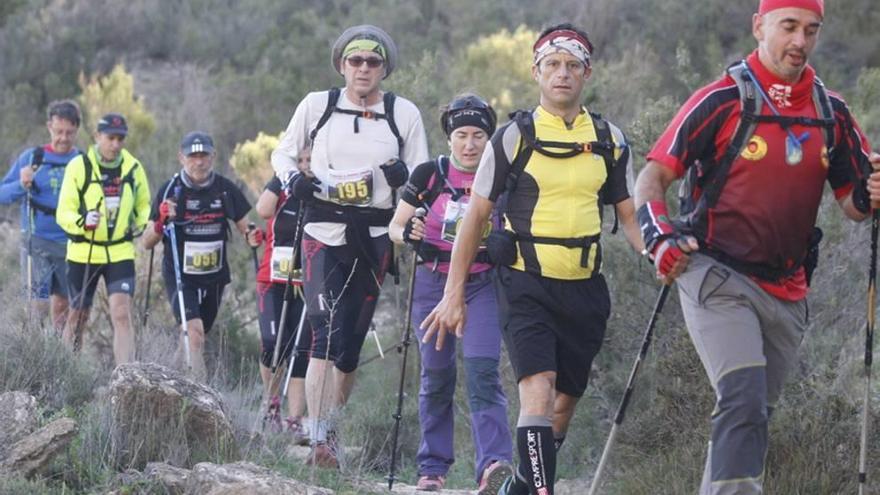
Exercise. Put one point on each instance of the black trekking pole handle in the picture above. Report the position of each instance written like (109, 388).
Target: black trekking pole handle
(630, 386)
(251, 227)
(420, 214)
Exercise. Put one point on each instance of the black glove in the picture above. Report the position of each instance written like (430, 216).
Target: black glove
(395, 172)
(304, 187)
(408, 230)
(860, 197)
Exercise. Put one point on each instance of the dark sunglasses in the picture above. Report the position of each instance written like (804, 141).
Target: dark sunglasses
(372, 62)
(472, 102)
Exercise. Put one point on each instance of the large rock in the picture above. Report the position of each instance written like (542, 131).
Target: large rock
(161, 415)
(226, 479)
(172, 479)
(30, 455)
(18, 418)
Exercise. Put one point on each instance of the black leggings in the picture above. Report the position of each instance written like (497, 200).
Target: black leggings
(342, 290)
(270, 302)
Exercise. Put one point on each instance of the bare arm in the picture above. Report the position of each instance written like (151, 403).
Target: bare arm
(652, 183)
(404, 212)
(150, 237)
(626, 215)
(266, 204)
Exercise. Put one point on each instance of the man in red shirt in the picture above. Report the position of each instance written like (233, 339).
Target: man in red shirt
(756, 148)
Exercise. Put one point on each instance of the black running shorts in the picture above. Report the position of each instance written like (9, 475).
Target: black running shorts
(553, 325)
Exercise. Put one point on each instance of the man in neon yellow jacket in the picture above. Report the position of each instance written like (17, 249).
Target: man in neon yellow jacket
(104, 203)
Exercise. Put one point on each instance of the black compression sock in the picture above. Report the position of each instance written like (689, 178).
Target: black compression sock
(537, 457)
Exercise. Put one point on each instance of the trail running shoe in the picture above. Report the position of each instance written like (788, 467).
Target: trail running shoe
(494, 477)
(297, 430)
(272, 419)
(431, 483)
(322, 456)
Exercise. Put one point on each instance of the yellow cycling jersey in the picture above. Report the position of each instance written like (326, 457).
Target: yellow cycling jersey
(555, 197)
(129, 212)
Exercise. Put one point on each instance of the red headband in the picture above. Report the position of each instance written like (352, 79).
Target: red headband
(566, 33)
(817, 6)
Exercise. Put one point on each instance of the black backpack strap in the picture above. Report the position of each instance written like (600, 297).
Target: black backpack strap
(388, 100)
(825, 112)
(332, 100)
(525, 122)
(37, 156)
(88, 170)
(750, 103)
(604, 147)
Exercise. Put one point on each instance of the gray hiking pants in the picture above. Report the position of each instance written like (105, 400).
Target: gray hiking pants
(747, 341)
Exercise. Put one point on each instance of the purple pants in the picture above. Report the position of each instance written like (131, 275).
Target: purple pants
(481, 347)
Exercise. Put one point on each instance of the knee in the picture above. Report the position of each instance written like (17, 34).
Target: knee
(483, 383)
(536, 394)
(438, 387)
(742, 396)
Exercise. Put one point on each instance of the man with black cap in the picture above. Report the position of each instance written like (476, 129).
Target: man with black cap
(199, 203)
(364, 141)
(755, 148)
(103, 204)
(558, 166)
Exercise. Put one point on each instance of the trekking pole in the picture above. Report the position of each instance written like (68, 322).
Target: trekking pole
(149, 285)
(171, 232)
(251, 227)
(29, 218)
(299, 329)
(82, 292)
(869, 352)
(420, 214)
(630, 385)
(288, 295)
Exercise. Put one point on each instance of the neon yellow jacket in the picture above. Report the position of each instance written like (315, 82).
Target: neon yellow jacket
(74, 201)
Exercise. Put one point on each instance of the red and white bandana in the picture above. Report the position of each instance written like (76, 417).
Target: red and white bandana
(566, 41)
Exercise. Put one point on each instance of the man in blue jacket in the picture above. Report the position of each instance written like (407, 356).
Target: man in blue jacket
(35, 180)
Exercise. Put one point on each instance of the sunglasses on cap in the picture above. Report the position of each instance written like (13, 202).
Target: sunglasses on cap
(468, 102)
(372, 62)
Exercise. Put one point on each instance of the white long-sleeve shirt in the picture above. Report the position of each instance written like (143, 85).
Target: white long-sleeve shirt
(339, 154)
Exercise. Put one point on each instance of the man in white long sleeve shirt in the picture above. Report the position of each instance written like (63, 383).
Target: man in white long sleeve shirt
(364, 141)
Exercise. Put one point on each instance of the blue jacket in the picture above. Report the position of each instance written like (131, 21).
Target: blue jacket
(47, 185)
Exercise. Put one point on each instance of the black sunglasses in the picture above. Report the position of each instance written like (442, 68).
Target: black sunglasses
(473, 102)
(372, 62)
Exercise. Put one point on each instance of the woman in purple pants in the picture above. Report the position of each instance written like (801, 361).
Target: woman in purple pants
(442, 187)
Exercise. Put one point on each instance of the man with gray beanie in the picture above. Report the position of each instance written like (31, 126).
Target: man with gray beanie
(364, 142)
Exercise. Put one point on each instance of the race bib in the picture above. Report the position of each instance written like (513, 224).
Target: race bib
(452, 218)
(351, 187)
(202, 258)
(112, 203)
(282, 264)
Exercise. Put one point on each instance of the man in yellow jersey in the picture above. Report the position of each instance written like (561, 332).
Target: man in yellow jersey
(556, 166)
(104, 202)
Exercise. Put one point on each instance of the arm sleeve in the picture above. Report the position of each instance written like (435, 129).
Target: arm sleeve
(274, 185)
(849, 160)
(418, 182)
(67, 214)
(295, 138)
(240, 205)
(142, 199)
(10, 189)
(619, 184)
(691, 135)
(415, 141)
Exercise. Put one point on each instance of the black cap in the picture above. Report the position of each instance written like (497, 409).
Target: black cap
(196, 142)
(113, 123)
